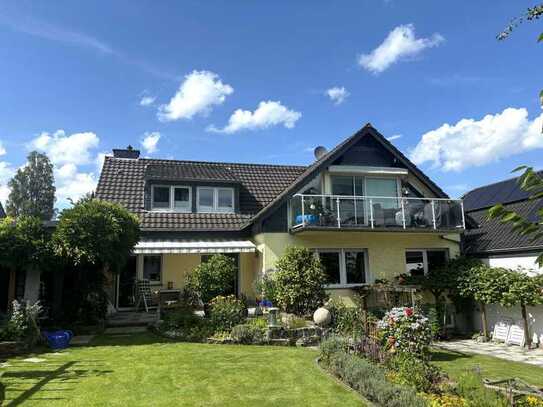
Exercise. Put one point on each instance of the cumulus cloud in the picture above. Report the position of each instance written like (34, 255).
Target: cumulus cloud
(473, 143)
(337, 94)
(267, 114)
(399, 44)
(2, 149)
(68, 153)
(147, 100)
(199, 92)
(61, 148)
(6, 173)
(150, 141)
(394, 137)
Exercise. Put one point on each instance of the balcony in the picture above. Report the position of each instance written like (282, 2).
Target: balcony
(324, 212)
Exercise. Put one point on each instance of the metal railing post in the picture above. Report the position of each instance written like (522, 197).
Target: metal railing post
(371, 213)
(355, 212)
(338, 214)
(303, 211)
(403, 212)
(463, 216)
(433, 213)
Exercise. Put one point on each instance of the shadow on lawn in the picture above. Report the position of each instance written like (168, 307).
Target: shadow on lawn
(64, 373)
(439, 355)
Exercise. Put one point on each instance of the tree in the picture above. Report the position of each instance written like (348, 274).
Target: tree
(32, 189)
(299, 281)
(212, 278)
(485, 285)
(24, 243)
(92, 237)
(524, 291)
(530, 181)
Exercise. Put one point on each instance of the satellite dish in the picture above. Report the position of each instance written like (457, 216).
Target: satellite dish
(320, 152)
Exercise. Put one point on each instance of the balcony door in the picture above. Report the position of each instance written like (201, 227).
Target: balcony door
(351, 208)
(385, 210)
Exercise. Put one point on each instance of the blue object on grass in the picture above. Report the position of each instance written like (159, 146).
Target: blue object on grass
(310, 219)
(58, 339)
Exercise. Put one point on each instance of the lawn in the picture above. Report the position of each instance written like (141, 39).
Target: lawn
(144, 370)
(493, 368)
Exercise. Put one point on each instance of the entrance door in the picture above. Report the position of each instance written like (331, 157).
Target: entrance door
(127, 279)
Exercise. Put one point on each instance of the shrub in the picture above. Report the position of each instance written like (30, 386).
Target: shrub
(213, 278)
(346, 320)
(22, 324)
(444, 400)
(331, 346)
(529, 401)
(470, 387)
(406, 330)
(266, 287)
(412, 371)
(261, 322)
(226, 312)
(299, 281)
(183, 324)
(247, 334)
(369, 379)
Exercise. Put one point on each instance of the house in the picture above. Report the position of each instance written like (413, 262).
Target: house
(366, 210)
(499, 246)
(2, 212)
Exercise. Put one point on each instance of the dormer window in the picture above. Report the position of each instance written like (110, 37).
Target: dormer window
(215, 199)
(171, 198)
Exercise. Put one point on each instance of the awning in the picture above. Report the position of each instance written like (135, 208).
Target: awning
(193, 246)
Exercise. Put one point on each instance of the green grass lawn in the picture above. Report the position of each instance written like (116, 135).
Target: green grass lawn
(144, 370)
(493, 368)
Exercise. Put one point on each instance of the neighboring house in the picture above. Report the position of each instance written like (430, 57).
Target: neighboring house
(2, 212)
(499, 246)
(364, 208)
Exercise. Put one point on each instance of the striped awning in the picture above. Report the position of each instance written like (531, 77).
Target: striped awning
(194, 246)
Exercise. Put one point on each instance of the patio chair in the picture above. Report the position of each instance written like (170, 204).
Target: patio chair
(144, 295)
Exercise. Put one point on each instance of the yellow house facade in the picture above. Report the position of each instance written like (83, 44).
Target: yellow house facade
(365, 210)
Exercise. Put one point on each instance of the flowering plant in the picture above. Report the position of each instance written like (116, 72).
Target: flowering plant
(404, 329)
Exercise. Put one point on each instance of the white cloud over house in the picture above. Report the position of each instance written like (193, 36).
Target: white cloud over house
(337, 94)
(267, 114)
(199, 92)
(473, 143)
(150, 141)
(147, 100)
(400, 43)
(394, 137)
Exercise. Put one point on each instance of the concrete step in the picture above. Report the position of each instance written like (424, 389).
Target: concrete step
(131, 319)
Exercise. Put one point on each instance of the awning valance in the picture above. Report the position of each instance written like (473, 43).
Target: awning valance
(193, 246)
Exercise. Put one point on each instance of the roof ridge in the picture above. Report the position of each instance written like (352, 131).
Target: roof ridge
(176, 161)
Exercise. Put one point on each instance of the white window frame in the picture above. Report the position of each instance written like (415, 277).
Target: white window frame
(343, 266)
(152, 282)
(215, 208)
(425, 256)
(171, 207)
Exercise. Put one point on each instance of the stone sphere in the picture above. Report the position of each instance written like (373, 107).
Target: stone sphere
(322, 316)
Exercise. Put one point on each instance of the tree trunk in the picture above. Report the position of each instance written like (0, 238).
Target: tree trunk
(11, 287)
(528, 338)
(483, 320)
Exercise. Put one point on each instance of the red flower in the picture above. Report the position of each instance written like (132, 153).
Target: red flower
(408, 312)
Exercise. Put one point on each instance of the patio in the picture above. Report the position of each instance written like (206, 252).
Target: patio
(498, 350)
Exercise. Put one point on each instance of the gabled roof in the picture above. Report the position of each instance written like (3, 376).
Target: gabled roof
(492, 236)
(262, 187)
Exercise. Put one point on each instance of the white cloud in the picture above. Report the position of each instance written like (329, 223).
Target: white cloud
(399, 44)
(472, 143)
(150, 141)
(394, 137)
(6, 173)
(2, 149)
(197, 94)
(337, 94)
(267, 114)
(73, 185)
(75, 148)
(147, 100)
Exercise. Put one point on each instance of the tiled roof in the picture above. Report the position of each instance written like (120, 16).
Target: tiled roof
(123, 181)
(492, 235)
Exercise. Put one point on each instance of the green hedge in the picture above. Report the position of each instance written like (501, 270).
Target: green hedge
(365, 377)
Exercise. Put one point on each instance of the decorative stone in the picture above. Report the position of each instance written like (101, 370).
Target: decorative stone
(322, 317)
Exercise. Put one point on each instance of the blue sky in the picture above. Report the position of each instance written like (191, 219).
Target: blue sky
(266, 81)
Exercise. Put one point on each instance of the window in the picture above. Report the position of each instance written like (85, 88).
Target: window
(171, 198)
(383, 187)
(152, 268)
(343, 267)
(215, 199)
(419, 262)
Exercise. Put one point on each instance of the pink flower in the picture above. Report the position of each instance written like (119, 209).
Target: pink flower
(408, 312)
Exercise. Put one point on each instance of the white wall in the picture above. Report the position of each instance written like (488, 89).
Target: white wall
(496, 313)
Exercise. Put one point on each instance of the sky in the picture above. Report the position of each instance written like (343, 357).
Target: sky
(267, 82)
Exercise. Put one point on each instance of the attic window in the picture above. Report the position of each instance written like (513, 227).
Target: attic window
(171, 198)
(213, 199)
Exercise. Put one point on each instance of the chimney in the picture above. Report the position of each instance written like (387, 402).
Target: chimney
(129, 152)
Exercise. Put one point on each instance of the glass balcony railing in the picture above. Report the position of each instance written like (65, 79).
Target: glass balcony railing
(337, 211)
